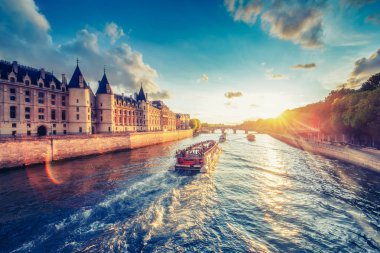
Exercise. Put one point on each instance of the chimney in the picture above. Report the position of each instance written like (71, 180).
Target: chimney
(42, 73)
(81, 81)
(15, 66)
(64, 81)
(146, 96)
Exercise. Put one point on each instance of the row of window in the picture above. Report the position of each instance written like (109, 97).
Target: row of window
(41, 113)
(127, 112)
(14, 125)
(41, 97)
(40, 84)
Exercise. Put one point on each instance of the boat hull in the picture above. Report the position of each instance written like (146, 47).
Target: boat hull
(210, 158)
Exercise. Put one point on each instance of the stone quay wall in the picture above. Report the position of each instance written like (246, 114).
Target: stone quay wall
(361, 157)
(34, 150)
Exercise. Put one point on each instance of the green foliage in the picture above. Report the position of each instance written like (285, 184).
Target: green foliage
(195, 124)
(372, 83)
(355, 113)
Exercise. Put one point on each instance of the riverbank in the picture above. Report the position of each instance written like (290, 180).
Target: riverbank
(361, 157)
(34, 150)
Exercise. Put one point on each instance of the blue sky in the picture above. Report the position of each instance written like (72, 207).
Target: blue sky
(221, 61)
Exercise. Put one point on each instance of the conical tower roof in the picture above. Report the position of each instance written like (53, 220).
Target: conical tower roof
(75, 79)
(104, 86)
(141, 95)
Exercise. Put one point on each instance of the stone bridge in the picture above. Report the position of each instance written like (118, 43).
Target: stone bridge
(223, 128)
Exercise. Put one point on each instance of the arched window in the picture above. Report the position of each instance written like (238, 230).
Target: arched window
(41, 85)
(63, 88)
(27, 82)
(53, 87)
(12, 79)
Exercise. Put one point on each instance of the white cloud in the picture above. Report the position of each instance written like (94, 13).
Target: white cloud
(21, 26)
(203, 78)
(275, 76)
(114, 32)
(363, 69)
(85, 42)
(25, 38)
(304, 66)
(233, 94)
(298, 21)
(244, 11)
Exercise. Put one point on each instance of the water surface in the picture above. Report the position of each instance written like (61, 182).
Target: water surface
(262, 197)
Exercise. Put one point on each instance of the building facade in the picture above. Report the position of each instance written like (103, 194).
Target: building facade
(33, 102)
(182, 121)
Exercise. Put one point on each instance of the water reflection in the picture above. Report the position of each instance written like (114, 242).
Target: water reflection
(262, 197)
(77, 177)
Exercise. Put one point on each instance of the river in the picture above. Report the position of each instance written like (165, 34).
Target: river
(263, 196)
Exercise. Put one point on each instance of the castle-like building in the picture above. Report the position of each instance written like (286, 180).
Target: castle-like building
(33, 102)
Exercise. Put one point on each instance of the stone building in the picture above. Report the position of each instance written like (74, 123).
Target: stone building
(167, 117)
(33, 102)
(182, 121)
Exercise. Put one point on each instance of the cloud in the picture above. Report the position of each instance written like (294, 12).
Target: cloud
(233, 94)
(126, 68)
(304, 66)
(363, 69)
(246, 11)
(278, 77)
(114, 32)
(85, 43)
(375, 19)
(164, 94)
(131, 68)
(22, 25)
(25, 38)
(298, 21)
(203, 78)
(273, 76)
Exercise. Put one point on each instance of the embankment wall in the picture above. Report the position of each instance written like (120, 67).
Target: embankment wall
(363, 158)
(33, 150)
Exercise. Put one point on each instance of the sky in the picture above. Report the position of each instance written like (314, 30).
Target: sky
(221, 61)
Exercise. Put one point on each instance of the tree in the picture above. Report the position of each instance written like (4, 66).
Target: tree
(195, 124)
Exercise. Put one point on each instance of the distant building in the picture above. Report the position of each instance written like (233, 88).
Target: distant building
(167, 117)
(33, 102)
(182, 121)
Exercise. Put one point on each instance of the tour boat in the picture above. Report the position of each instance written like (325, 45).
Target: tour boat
(198, 157)
(251, 137)
(223, 137)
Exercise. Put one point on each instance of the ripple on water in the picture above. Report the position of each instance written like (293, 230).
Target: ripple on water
(262, 197)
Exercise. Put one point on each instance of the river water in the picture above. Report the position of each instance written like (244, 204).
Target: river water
(262, 197)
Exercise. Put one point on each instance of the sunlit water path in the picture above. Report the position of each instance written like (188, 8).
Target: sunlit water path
(262, 197)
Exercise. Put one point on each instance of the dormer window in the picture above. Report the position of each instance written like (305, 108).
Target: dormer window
(41, 85)
(63, 88)
(27, 82)
(53, 87)
(12, 79)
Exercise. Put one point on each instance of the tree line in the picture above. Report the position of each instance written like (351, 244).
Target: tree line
(345, 115)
